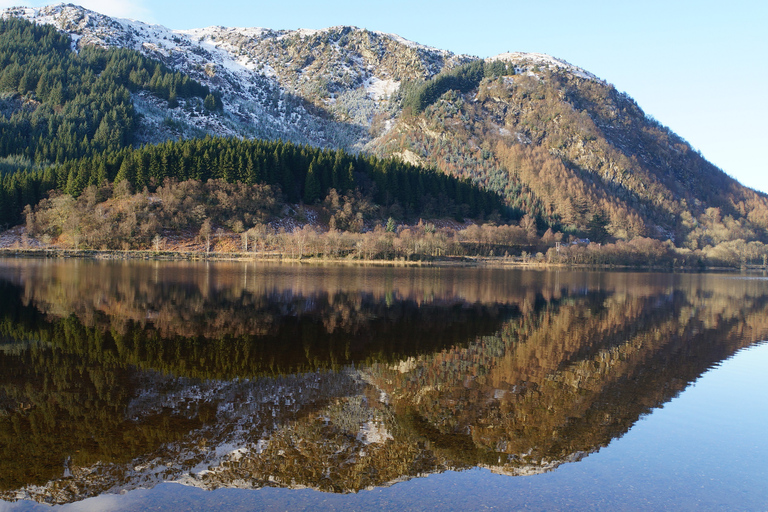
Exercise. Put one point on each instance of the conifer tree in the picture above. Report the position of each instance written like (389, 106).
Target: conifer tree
(311, 186)
(209, 103)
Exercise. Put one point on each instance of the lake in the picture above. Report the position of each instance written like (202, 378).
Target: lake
(131, 385)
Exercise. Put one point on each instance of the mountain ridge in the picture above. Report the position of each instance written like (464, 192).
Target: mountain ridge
(226, 71)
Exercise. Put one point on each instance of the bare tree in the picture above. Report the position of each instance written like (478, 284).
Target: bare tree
(205, 234)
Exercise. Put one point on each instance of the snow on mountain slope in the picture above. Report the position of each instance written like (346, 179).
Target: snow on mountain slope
(319, 87)
(326, 88)
(524, 59)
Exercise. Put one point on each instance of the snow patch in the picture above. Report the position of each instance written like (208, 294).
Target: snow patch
(308, 32)
(214, 31)
(411, 44)
(379, 89)
(542, 59)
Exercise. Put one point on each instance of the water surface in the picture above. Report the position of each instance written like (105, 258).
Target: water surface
(172, 386)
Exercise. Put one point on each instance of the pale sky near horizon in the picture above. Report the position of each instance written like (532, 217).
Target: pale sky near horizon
(699, 67)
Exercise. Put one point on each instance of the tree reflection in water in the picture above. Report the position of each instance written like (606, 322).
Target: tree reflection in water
(115, 376)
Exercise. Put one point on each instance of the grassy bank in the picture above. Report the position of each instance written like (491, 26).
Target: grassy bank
(276, 257)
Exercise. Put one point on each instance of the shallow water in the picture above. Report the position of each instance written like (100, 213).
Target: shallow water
(188, 386)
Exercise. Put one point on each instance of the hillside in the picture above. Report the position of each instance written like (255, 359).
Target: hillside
(557, 142)
(582, 155)
(316, 87)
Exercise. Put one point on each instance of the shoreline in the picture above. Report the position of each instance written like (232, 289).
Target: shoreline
(445, 261)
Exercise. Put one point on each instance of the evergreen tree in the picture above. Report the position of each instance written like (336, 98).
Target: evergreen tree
(311, 186)
(597, 227)
(210, 102)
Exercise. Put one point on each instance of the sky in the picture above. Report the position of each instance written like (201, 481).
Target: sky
(698, 67)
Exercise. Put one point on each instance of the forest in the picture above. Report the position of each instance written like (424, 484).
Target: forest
(580, 157)
(66, 125)
(58, 105)
(228, 183)
(72, 174)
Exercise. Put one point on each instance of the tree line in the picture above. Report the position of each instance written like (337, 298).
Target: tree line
(301, 173)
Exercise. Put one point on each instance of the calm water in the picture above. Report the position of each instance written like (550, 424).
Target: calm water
(177, 386)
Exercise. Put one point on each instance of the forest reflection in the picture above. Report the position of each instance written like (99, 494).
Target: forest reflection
(119, 375)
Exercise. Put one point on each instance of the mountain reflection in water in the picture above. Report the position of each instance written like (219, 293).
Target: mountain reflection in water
(117, 376)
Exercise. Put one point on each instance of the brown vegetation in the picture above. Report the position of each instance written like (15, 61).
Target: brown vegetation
(584, 158)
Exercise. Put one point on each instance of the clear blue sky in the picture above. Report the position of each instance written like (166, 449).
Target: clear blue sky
(699, 67)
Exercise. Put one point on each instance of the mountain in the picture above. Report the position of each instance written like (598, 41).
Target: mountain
(555, 140)
(317, 87)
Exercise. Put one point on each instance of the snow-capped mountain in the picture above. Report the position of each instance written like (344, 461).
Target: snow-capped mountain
(556, 141)
(326, 87)
(320, 87)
